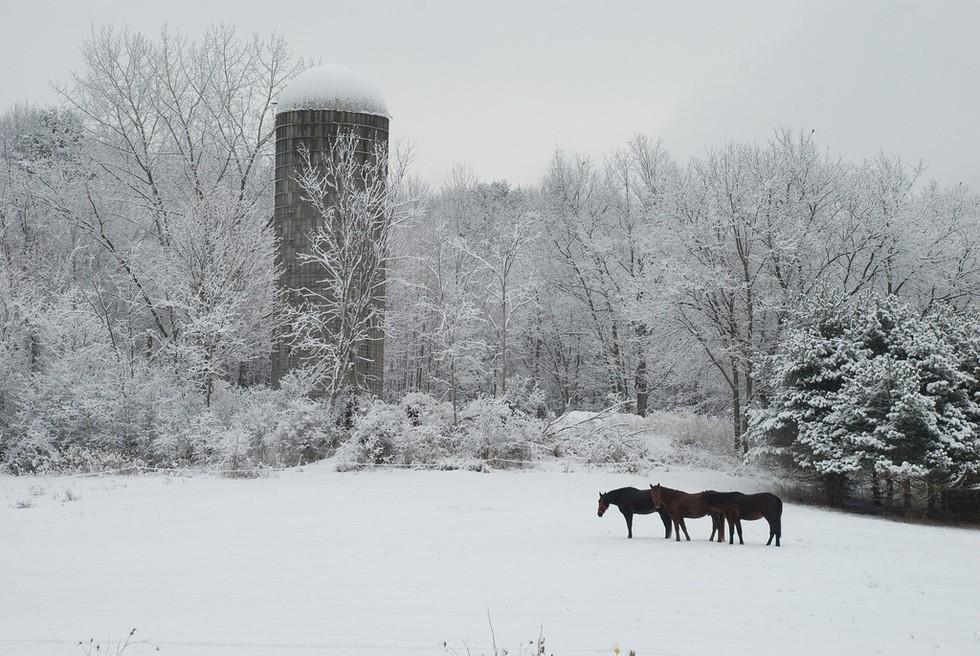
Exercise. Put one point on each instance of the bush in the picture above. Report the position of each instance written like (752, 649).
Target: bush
(78, 404)
(417, 430)
(491, 429)
(32, 452)
(243, 430)
(187, 439)
(283, 427)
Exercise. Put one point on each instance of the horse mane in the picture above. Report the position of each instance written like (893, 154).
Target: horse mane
(613, 496)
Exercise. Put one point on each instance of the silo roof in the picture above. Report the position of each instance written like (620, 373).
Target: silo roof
(332, 87)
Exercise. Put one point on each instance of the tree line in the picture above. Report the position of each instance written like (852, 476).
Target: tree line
(137, 277)
(640, 279)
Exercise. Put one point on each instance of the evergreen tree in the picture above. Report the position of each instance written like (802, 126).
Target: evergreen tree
(875, 389)
(807, 373)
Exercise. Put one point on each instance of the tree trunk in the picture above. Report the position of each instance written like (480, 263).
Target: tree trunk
(907, 496)
(642, 388)
(452, 390)
(618, 366)
(34, 352)
(876, 488)
(745, 407)
(737, 407)
(503, 340)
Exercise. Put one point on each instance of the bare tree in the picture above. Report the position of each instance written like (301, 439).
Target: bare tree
(176, 190)
(360, 200)
(509, 288)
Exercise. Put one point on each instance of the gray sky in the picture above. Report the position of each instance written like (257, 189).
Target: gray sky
(499, 84)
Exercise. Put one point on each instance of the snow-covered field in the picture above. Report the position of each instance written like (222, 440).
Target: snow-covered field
(391, 562)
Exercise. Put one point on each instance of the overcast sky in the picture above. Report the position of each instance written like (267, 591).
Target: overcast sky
(499, 85)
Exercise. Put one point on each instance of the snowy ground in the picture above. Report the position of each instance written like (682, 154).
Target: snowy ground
(392, 562)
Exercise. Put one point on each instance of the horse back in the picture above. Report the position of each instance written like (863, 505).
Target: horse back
(718, 500)
(685, 504)
(633, 499)
(765, 504)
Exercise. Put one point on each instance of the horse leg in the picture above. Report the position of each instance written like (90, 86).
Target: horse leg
(629, 523)
(731, 528)
(684, 527)
(666, 520)
(677, 529)
(718, 520)
(714, 529)
(775, 529)
(738, 525)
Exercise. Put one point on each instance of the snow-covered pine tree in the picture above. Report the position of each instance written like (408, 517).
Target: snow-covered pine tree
(960, 460)
(906, 409)
(807, 373)
(874, 389)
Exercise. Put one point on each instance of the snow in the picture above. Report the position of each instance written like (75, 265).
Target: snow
(388, 562)
(332, 87)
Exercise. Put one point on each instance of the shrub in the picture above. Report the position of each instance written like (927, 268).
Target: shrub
(491, 429)
(417, 430)
(283, 427)
(33, 451)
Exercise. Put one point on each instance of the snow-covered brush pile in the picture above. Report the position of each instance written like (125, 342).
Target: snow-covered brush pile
(419, 430)
(696, 440)
(601, 437)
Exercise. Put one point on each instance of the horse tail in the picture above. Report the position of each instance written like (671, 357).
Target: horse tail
(778, 524)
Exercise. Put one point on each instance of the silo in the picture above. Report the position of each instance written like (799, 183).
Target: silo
(312, 110)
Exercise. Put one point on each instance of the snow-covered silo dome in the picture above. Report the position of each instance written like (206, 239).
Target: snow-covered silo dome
(332, 87)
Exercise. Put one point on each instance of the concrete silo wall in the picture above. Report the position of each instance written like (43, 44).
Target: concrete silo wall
(294, 219)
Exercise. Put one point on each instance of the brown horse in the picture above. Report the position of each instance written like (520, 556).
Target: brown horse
(683, 505)
(736, 506)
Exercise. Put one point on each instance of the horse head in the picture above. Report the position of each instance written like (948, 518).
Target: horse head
(657, 496)
(603, 504)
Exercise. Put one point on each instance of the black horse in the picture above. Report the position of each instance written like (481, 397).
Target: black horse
(632, 501)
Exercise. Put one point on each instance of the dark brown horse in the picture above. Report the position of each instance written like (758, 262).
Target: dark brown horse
(736, 506)
(683, 505)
